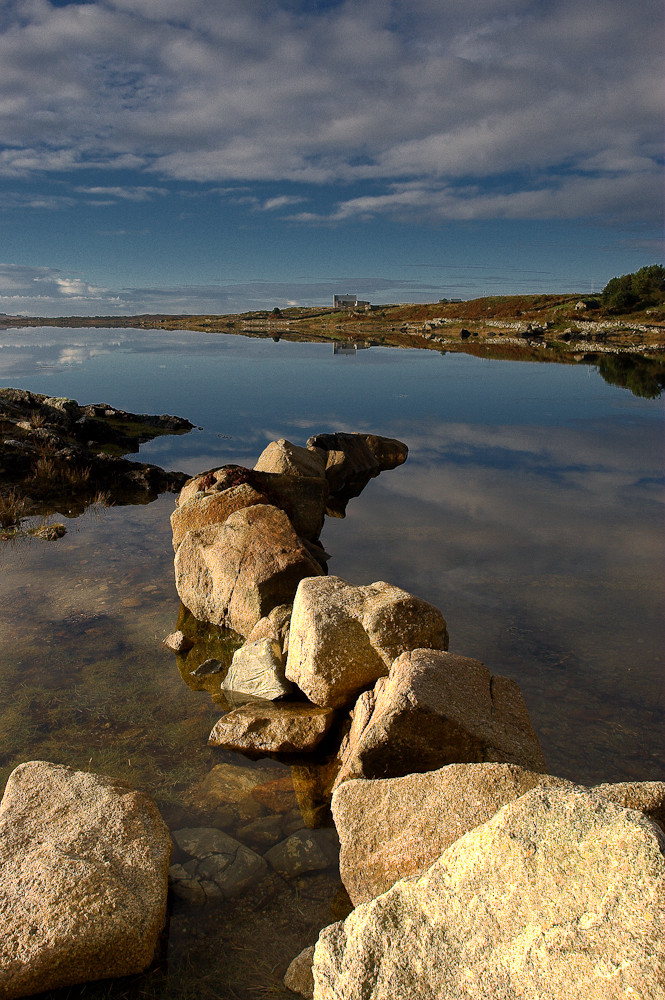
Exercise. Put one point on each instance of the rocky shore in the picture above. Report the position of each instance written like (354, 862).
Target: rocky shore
(471, 871)
(58, 456)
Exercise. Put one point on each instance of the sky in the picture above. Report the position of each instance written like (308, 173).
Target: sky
(198, 156)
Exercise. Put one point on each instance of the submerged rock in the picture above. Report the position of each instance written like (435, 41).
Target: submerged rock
(83, 879)
(560, 895)
(220, 866)
(304, 851)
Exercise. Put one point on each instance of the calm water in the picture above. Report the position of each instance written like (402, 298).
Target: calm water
(530, 511)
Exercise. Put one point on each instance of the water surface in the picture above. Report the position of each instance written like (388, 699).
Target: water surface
(530, 511)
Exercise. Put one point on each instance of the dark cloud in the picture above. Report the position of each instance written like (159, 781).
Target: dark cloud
(560, 102)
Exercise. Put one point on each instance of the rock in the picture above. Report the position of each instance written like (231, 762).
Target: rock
(277, 795)
(389, 452)
(304, 851)
(276, 626)
(83, 879)
(558, 896)
(235, 573)
(288, 459)
(227, 788)
(356, 458)
(342, 638)
(257, 669)
(262, 833)
(203, 509)
(210, 497)
(394, 828)
(268, 728)
(178, 642)
(221, 865)
(298, 977)
(302, 498)
(351, 460)
(438, 708)
(208, 668)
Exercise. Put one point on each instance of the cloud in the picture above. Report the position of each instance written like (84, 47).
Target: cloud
(557, 102)
(47, 291)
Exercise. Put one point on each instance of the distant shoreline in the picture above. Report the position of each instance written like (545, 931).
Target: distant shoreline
(529, 327)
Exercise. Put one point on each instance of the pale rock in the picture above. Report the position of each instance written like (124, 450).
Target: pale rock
(257, 669)
(288, 459)
(178, 642)
(342, 638)
(203, 509)
(276, 626)
(266, 727)
(298, 977)
(83, 879)
(304, 851)
(394, 828)
(437, 708)
(560, 896)
(235, 573)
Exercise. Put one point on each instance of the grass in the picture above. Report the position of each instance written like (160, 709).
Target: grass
(12, 506)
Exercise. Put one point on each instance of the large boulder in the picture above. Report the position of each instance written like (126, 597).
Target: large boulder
(395, 828)
(83, 879)
(342, 638)
(203, 509)
(560, 896)
(289, 459)
(354, 458)
(264, 727)
(437, 708)
(235, 573)
(210, 497)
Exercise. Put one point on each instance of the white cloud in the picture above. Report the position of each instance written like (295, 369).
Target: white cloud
(357, 91)
(47, 291)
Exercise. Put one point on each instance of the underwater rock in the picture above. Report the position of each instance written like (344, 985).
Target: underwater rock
(220, 866)
(304, 851)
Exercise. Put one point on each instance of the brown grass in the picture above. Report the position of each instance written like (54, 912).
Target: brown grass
(12, 506)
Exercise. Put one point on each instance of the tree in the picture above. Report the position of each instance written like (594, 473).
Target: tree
(639, 290)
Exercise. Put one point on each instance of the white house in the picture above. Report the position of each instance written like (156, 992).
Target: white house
(349, 302)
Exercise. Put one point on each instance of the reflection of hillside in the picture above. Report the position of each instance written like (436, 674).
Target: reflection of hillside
(643, 376)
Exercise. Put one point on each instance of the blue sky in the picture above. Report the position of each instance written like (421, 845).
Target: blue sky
(223, 155)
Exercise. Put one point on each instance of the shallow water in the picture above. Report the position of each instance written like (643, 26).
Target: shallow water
(529, 510)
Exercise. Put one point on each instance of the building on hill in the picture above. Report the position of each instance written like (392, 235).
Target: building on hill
(349, 302)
